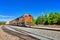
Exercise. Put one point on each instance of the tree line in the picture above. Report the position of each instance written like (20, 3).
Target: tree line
(52, 19)
(2, 23)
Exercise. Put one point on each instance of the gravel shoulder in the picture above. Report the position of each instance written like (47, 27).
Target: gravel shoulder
(47, 26)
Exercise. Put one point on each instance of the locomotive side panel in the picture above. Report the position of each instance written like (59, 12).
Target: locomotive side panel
(11, 22)
(21, 21)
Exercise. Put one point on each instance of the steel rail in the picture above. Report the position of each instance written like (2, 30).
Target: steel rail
(32, 34)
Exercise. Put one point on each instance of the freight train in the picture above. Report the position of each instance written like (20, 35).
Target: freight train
(25, 20)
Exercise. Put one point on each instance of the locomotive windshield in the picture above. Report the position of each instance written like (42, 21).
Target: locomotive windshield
(29, 15)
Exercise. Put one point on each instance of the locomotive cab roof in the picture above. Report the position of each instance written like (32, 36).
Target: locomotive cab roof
(27, 15)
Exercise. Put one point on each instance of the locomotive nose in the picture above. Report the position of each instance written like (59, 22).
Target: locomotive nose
(30, 18)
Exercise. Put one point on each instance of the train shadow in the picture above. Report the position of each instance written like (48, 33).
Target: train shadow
(16, 34)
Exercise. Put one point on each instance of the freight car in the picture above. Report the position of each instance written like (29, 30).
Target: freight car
(25, 20)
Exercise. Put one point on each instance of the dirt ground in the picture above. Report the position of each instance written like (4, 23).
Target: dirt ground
(6, 36)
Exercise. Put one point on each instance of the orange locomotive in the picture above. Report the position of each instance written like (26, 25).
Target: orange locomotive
(28, 20)
(25, 20)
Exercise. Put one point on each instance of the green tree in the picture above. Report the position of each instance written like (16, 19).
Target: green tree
(55, 18)
(38, 20)
(2, 23)
(34, 22)
(42, 19)
(50, 18)
(45, 19)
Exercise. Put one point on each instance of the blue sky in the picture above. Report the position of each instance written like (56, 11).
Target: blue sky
(11, 9)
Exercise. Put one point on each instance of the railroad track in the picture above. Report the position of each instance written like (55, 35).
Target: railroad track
(19, 34)
(35, 34)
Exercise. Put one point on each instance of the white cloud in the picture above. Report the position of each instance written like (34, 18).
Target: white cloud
(5, 16)
(7, 19)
